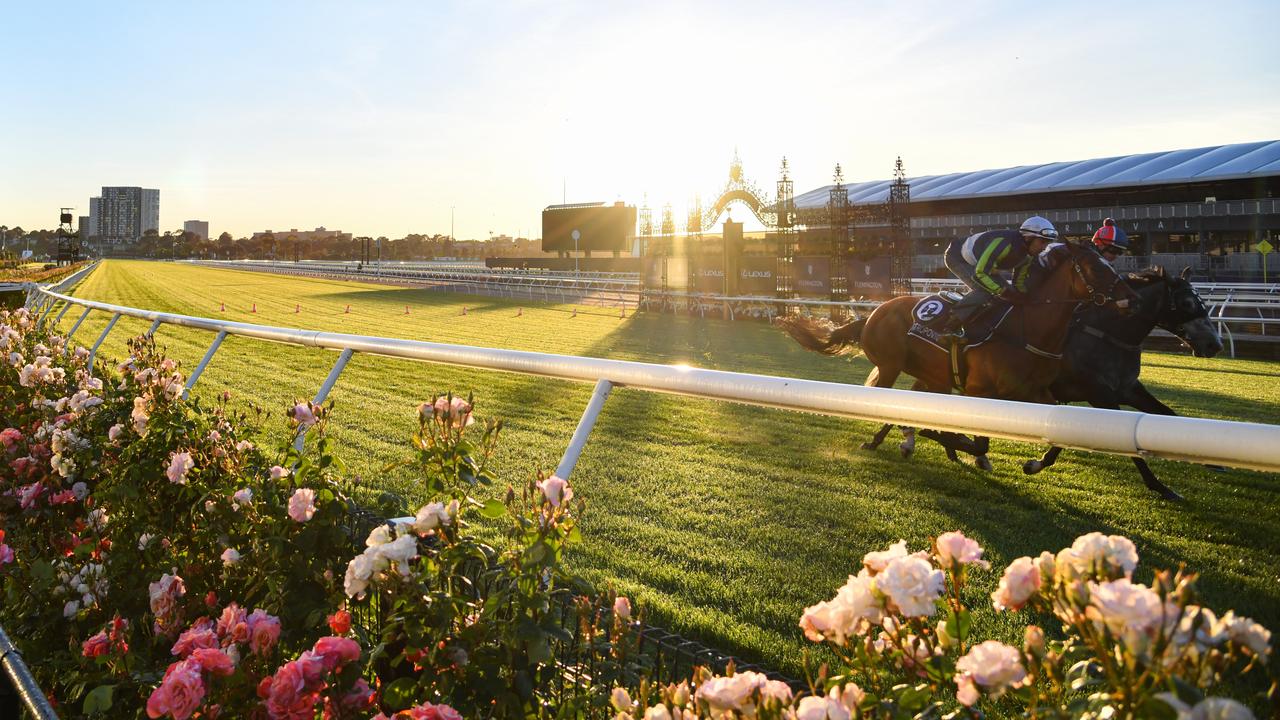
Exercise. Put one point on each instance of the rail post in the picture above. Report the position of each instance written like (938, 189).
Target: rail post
(105, 331)
(204, 361)
(25, 685)
(324, 390)
(75, 327)
(583, 431)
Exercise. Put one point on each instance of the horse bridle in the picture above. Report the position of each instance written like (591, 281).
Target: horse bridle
(1098, 298)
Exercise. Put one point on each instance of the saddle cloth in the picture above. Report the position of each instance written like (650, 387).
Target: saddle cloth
(933, 311)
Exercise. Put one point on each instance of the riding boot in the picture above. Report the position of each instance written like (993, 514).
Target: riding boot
(968, 307)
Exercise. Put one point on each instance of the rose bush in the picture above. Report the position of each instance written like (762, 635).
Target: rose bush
(904, 641)
(156, 522)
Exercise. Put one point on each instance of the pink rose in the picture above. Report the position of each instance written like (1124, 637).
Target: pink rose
(6, 552)
(230, 556)
(360, 697)
(59, 498)
(556, 490)
(455, 411)
(95, 646)
(956, 549)
(287, 695)
(200, 635)
(302, 506)
(303, 415)
(213, 661)
(179, 694)
(278, 472)
(10, 437)
(337, 651)
(233, 616)
(264, 631)
(1020, 581)
(622, 608)
(179, 464)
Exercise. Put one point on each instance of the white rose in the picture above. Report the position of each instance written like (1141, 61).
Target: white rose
(993, 666)
(912, 584)
(359, 571)
(430, 517)
(230, 557)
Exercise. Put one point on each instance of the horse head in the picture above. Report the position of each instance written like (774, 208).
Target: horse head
(1087, 276)
(1185, 315)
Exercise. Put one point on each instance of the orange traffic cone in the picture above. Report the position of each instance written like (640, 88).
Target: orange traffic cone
(464, 309)
(519, 312)
(255, 308)
(297, 309)
(348, 312)
(575, 313)
(406, 309)
(222, 307)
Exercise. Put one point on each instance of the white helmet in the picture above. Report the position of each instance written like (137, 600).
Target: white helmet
(1037, 226)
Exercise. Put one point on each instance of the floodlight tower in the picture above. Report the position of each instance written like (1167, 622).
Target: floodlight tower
(900, 229)
(838, 226)
(786, 205)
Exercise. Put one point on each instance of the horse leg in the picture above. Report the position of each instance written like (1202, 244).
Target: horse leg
(878, 438)
(1148, 478)
(1031, 467)
(1151, 481)
(1142, 399)
(983, 445)
(908, 444)
(953, 442)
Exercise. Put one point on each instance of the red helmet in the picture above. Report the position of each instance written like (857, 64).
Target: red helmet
(1110, 236)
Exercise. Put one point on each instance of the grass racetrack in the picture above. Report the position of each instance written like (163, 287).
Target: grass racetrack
(724, 520)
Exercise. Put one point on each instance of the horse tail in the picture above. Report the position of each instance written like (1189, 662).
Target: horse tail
(824, 336)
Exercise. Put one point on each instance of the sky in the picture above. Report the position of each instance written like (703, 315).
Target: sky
(385, 118)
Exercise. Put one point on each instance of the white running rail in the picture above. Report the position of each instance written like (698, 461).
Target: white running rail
(1237, 444)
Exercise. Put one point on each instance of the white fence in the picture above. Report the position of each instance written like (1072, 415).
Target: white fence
(1237, 444)
(1242, 312)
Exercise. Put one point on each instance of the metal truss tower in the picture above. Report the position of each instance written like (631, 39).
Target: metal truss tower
(903, 250)
(693, 240)
(786, 207)
(838, 226)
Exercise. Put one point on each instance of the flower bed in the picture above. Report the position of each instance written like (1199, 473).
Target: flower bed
(155, 561)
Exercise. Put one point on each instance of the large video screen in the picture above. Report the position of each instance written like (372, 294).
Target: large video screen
(602, 228)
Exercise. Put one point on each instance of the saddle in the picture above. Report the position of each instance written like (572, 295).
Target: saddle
(933, 313)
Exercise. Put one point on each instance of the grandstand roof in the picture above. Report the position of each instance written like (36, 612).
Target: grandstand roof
(1221, 162)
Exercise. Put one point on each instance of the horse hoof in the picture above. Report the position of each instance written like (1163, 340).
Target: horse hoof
(1216, 468)
(870, 445)
(1031, 467)
(982, 462)
(1172, 496)
(952, 456)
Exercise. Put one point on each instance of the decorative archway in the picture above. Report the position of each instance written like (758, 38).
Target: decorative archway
(739, 189)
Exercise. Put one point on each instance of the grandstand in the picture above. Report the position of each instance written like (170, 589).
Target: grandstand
(1209, 206)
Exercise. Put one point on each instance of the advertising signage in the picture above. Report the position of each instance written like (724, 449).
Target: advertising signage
(757, 276)
(708, 275)
(813, 277)
(871, 278)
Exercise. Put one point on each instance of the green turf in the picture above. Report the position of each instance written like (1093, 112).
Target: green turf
(725, 520)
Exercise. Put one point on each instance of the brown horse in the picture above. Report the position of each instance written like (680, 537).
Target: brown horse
(1020, 361)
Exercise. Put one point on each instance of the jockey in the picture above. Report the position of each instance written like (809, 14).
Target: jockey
(977, 260)
(1111, 241)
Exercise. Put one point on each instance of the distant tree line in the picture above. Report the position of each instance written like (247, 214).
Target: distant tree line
(179, 244)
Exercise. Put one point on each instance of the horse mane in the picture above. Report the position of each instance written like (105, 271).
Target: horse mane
(1147, 276)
